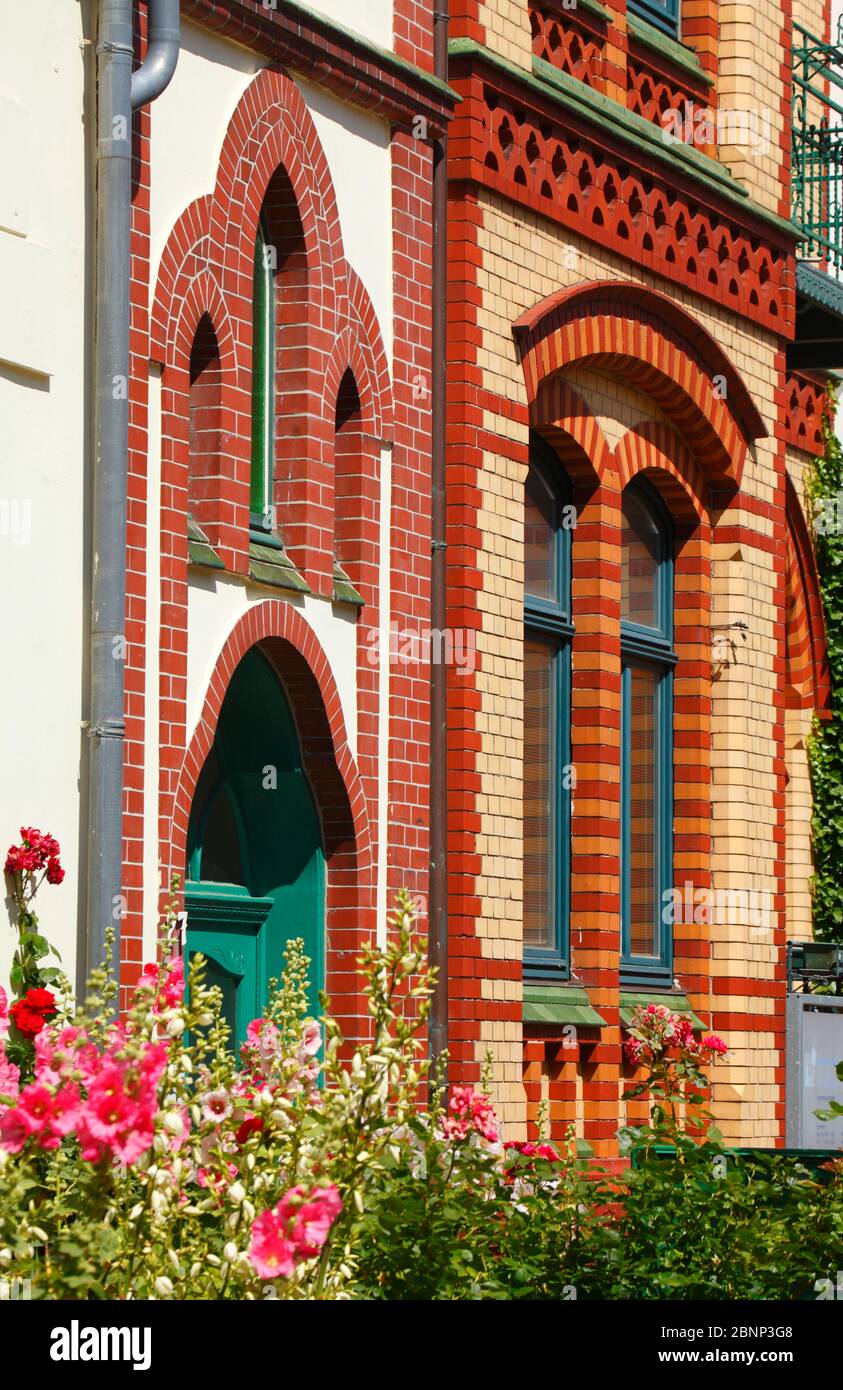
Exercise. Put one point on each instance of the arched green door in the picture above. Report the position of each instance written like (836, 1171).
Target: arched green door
(256, 866)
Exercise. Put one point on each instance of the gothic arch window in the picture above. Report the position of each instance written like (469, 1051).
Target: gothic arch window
(263, 379)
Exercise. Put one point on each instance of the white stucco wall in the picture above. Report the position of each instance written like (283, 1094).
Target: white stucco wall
(356, 147)
(371, 18)
(43, 517)
(188, 124)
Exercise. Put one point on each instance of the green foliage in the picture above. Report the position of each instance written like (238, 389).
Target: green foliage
(432, 1206)
(825, 750)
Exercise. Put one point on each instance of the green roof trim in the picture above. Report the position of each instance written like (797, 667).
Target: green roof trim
(677, 53)
(344, 590)
(609, 116)
(677, 1003)
(592, 7)
(560, 1004)
(270, 564)
(384, 56)
(199, 549)
(820, 288)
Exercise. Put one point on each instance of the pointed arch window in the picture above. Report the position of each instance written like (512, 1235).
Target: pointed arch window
(647, 662)
(548, 631)
(263, 380)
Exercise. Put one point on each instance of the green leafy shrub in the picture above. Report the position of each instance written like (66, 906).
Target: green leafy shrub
(146, 1160)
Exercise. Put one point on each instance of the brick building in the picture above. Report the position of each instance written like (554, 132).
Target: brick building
(275, 760)
(637, 350)
(635, 391)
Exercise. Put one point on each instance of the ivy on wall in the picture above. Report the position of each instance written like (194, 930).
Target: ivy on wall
(825, 747)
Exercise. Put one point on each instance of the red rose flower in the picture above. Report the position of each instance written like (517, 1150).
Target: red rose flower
(42, 1000)
(252, 1125)
(27, 1021)
(55, 872)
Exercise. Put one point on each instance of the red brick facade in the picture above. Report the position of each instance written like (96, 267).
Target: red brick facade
(342, 410)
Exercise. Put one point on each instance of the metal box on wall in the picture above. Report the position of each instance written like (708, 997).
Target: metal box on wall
(814, 1049)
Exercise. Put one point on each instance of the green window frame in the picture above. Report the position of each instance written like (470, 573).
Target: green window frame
(549, 630)
(662, 14)
(263, 383)
(647, 663)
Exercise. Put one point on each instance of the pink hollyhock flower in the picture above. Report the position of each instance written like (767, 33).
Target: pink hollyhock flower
(270, 1251)
(311, 1039)
(712, 1043)
(173, 983)
(4, 1012)
(109, 1110)
(9, 1077)
(216, 1107)
(309, 1217)
(50, 1115)
(15, 1129)
(167, 981)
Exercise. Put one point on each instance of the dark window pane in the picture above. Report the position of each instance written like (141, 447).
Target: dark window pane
(539, 771)
(641, 553)
(221, 858)
(642, 803)
(540, 523)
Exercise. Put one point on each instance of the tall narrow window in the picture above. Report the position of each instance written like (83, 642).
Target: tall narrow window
(646, 736)
(547, 699)
(263, 380)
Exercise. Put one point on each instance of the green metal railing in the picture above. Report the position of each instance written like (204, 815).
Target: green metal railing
(817, 164)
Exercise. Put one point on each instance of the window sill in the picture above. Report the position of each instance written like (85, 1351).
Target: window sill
(270, 564)
(677, 1002)
(672, 49)
(550, 1004)
(200, 552)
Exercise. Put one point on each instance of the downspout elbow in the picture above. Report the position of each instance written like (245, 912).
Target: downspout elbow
(162, 54)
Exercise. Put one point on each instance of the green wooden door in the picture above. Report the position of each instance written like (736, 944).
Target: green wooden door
(256, 867)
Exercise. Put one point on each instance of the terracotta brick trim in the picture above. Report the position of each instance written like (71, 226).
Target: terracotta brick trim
(808, 680)
(335, 58)
(661, 349)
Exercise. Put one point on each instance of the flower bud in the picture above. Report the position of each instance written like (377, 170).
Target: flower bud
(230, 1251)
(163, 1286)
(236, 1193)
(175, 1026)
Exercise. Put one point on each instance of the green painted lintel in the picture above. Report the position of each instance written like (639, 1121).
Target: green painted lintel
(677, 53)
(607, 115)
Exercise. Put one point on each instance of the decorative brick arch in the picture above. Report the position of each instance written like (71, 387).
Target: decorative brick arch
(563, 418)
(656, 450)
(303, 669)
(367, 334)
(643, 336)
(806, 658)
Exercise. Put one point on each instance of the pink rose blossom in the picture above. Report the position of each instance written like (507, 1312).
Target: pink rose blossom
(469, 1111)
